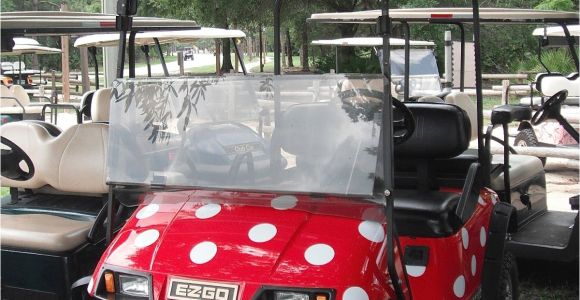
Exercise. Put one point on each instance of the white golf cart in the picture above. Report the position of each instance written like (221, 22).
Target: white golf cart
(53, 222)
(424, 77)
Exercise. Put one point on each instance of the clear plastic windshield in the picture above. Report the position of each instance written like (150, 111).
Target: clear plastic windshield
(299, 134)
(423, 72)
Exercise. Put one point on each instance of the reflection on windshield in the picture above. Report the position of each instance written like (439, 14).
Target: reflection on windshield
(283, 133)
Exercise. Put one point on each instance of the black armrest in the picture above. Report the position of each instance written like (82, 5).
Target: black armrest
(506, 114)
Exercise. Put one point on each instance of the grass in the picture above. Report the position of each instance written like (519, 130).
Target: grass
(269, 66)
(154, 61)
(4, 191)
(548, 280)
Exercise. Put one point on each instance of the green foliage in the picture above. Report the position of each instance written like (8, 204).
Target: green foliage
(567, 5)
(557, 60)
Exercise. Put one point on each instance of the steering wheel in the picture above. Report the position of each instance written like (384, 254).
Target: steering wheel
(11, 157)
(403, 122)
(550, 108)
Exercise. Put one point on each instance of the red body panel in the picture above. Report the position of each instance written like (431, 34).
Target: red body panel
(262, 239)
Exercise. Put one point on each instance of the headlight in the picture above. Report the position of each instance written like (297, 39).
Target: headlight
(284, 293)
(133, 285)
(290, 296)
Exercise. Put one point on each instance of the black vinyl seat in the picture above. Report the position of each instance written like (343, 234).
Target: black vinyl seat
(435, 156)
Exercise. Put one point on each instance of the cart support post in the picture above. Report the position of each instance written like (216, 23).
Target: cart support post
(239, 56)
(448, 62)
(277, 6)
(481, 153)
(407, 59)
(93, 52)
(161, 57)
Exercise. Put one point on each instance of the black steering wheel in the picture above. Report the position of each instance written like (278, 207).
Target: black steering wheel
(550, 108)
(403, 120)
(11, 157)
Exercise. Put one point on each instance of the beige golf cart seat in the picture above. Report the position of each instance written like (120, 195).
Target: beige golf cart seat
(71, 163)
(15, 100)
(522, 167)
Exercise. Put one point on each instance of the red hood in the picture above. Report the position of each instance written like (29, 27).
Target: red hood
(279, 249)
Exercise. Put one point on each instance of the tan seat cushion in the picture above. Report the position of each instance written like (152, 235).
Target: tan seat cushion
(522, 168)
(42, 232)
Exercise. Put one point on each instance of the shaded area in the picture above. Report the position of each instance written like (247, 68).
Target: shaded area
(548, 280)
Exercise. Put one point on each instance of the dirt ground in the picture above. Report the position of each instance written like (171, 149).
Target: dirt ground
(561, 182)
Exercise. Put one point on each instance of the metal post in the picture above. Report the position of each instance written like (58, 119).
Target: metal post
(239, 56)
(462, 59)
(161, 57)
(570, 41)
(407, 60)
(448, 61)
(145, 49)
(121, 53)
(484, 159)
(93, 52)
(132, 54)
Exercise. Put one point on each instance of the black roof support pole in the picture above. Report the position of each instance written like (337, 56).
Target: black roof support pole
(384, 24)
(570, 41)
(145, 50)
(277, 6)
(407, 59)
(239, 55)
(131, 51)
(161, 57)
(93, 52)
(462, 59)
(484, 159)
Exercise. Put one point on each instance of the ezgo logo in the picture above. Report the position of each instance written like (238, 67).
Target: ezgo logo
(183, 289)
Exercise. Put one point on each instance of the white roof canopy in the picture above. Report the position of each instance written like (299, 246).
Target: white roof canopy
(30, 46)
(146, 38)
(557, 31)
(492, 15)
(56, 22)
(369, 42)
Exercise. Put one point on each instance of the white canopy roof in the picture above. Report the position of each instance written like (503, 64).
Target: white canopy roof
(146, 38)
(557, 30)
(30, 46)
(370, 42)
(455, 14)
(56, 22)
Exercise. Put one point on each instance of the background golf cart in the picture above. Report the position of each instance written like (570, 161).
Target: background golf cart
(552, 133)
(561, 243)
(424, 74)
(15, 102)
(53, 221)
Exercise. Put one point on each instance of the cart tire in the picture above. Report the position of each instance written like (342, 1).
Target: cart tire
(527, 138)
(509, 284)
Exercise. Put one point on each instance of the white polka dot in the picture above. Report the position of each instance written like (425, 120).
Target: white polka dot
(459, 286)
(262, 233)
(481, 201)
(465, 238)
(355, 293)
(319, 254)
(147, 211)
(146, 238)
(284, 202)
(90, 286)
(207, 211)
(372, 231)
(203, 252)
(415, 271)
(482, 236)
(473, 265)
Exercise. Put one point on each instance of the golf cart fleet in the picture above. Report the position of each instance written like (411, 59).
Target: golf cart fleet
(179, 192)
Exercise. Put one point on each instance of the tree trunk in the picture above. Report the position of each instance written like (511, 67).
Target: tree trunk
(289, 48)
(227, 58)
(35, 64)
(283, 49)
(304, 56)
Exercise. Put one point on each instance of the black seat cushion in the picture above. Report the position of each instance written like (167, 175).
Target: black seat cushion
(441, 131)
(506, 114)
(426, 214)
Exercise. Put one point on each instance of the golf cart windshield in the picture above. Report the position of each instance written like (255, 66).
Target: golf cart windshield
(423, 72)
(275, 134)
